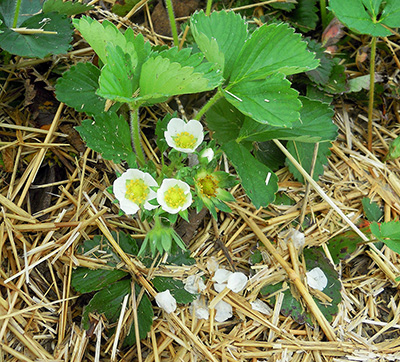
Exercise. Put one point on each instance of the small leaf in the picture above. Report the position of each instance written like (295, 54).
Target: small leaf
(321, 74)
(305, 15)
(77, 89)
(86, 280)
(270, 49)
(68, 8)
(315, 125)
(337, 79)
(388, 233)
(259, 182)
(123, 7)
(371, 209)
(270, 155)
(303, 153)
(109, 135)
(225, 121)
(342, 246)
(179, 256)
(39, 45)
(394, 149)
(176, 287)
(26, 10)
(268, 101)
(363, 17)
(220, 37)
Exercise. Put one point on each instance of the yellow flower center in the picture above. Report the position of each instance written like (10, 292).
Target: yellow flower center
(208, 186)
(175, 197)
(185, 140)
(137, 191)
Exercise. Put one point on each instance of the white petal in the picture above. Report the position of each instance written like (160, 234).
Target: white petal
(223, 311)
(261, 307)
(194, 284)
(317, 279)
(166, 301)
(212, 264)
(296, 237)
(208, 153)
(237, 281)
(201, 310)
(219, 287)
(175, 126)
(128, 207)
(221, 276)
(202, 313)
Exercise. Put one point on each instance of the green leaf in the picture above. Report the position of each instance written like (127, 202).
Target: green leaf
(342, 246)
(26, 10)
(86, 280)
(39, 45)
(220, 37)
(126, 242)
(388, 233)
(123, 7)
(269, 101)
(270, 155)
(179, 256)
(68, 8)
(372, 210)
(176, 287)
(77, 89)
(321, 74)
(394, 149)
(253, 174)
(305, 15)
(270, 49)
(99, 34)
(117, 80)
(225, 121)
(364, 17)
(337, 78)
(160, 79)
(303, 153)
(315, 125)
(109, 135)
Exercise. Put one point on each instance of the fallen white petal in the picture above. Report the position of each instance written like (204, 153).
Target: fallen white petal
(200, 307)
(261, 307)
(223, 311)
(166, 301)
(296, 237)
(221, 275)
(194, 284)
(236, 282)
(219, 287)
(212, 264)
(317, 279)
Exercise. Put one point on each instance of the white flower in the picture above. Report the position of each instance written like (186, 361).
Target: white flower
(236, 282)
(182, 136)
(316, 279)
(174, 195)
(223, 311)
(194, 284)
(166, 301)
(132, 189)
(208, 153)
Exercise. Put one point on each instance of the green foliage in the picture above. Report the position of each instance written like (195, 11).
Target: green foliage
(368, 17)
(77, 88)
(305, 15)
(109, 134)
(303, 153)
(68, 8)
(388, 233)
(8, 10)
(321, 74)
(394, 149)
(86, 280)
(122, 7)
(372, 210)
(38, 45)
(176, 287)
(259, 182)
(342, 246)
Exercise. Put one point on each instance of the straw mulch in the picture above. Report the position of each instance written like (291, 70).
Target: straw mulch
(53, 196)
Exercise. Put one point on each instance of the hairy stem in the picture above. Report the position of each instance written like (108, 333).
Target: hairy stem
(217, 96)
(135, 134)
(172, 21)
(208, 8)
(371, 91)
(322, 6)
(16, 14)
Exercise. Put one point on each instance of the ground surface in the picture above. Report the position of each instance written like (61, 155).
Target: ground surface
(53, 197)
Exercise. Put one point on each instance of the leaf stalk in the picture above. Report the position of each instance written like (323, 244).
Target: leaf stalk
(172, 21)
(135, 134)
(371, 91)
(217, 96)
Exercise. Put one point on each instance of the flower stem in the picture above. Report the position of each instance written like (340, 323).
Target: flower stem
(135, 134)
(371, 91)
(16, 14)
(217, 96)
(172, 21)
(208, 8)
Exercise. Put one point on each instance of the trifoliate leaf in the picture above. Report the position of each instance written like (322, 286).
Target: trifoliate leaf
(270, 49)
(176, 287)
(108, 134)
(372, 210)
(220, 36)
(39, 45)
(364, 16)
(77, 89)
(315, 125)
(68, 8)
(303, 153)
(259, 182)
(268, 101)
(388, 233)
